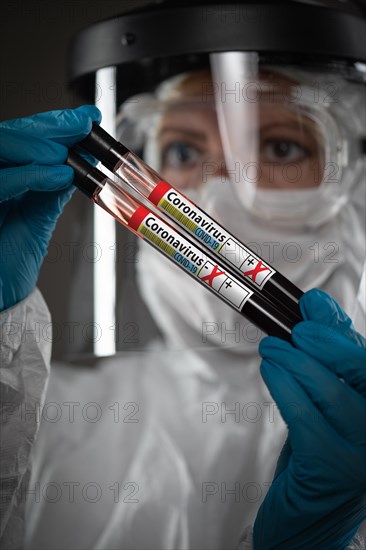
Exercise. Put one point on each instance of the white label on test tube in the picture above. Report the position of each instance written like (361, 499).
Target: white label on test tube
(190, 258)
(215, 237)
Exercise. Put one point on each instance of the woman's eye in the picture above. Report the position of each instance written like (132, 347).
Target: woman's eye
(285, 151)
(180, 155)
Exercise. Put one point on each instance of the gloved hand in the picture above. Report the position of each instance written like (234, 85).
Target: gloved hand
(35, 185)
(318, 496)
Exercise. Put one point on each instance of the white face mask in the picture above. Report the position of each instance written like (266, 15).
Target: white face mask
(328, 256)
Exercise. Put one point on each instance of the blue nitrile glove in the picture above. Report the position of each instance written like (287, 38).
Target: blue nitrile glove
(35, 185)
(318, 496)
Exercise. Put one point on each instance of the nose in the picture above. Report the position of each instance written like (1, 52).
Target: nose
(215, 167)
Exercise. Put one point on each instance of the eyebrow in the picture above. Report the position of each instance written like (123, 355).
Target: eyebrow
(307, 127)
(191, 133)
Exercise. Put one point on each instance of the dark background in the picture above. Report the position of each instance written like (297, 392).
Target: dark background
(34, 39)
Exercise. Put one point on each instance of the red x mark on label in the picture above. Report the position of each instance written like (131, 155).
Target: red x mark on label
(214, 273)
(254, 272)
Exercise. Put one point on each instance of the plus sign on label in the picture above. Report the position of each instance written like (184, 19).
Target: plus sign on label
(255, 270)
(234, 293)
(250, 266)
(249, 263)
(217, 279)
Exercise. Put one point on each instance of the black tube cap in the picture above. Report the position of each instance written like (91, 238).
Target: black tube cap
(104, 147)
(87, 178)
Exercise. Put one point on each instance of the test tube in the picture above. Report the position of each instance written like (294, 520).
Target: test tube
(147, 225)
(134, 172)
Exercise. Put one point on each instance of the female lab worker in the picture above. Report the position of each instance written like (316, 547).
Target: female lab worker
(176, 446)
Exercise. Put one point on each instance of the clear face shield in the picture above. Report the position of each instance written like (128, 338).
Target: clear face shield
(272, 152)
